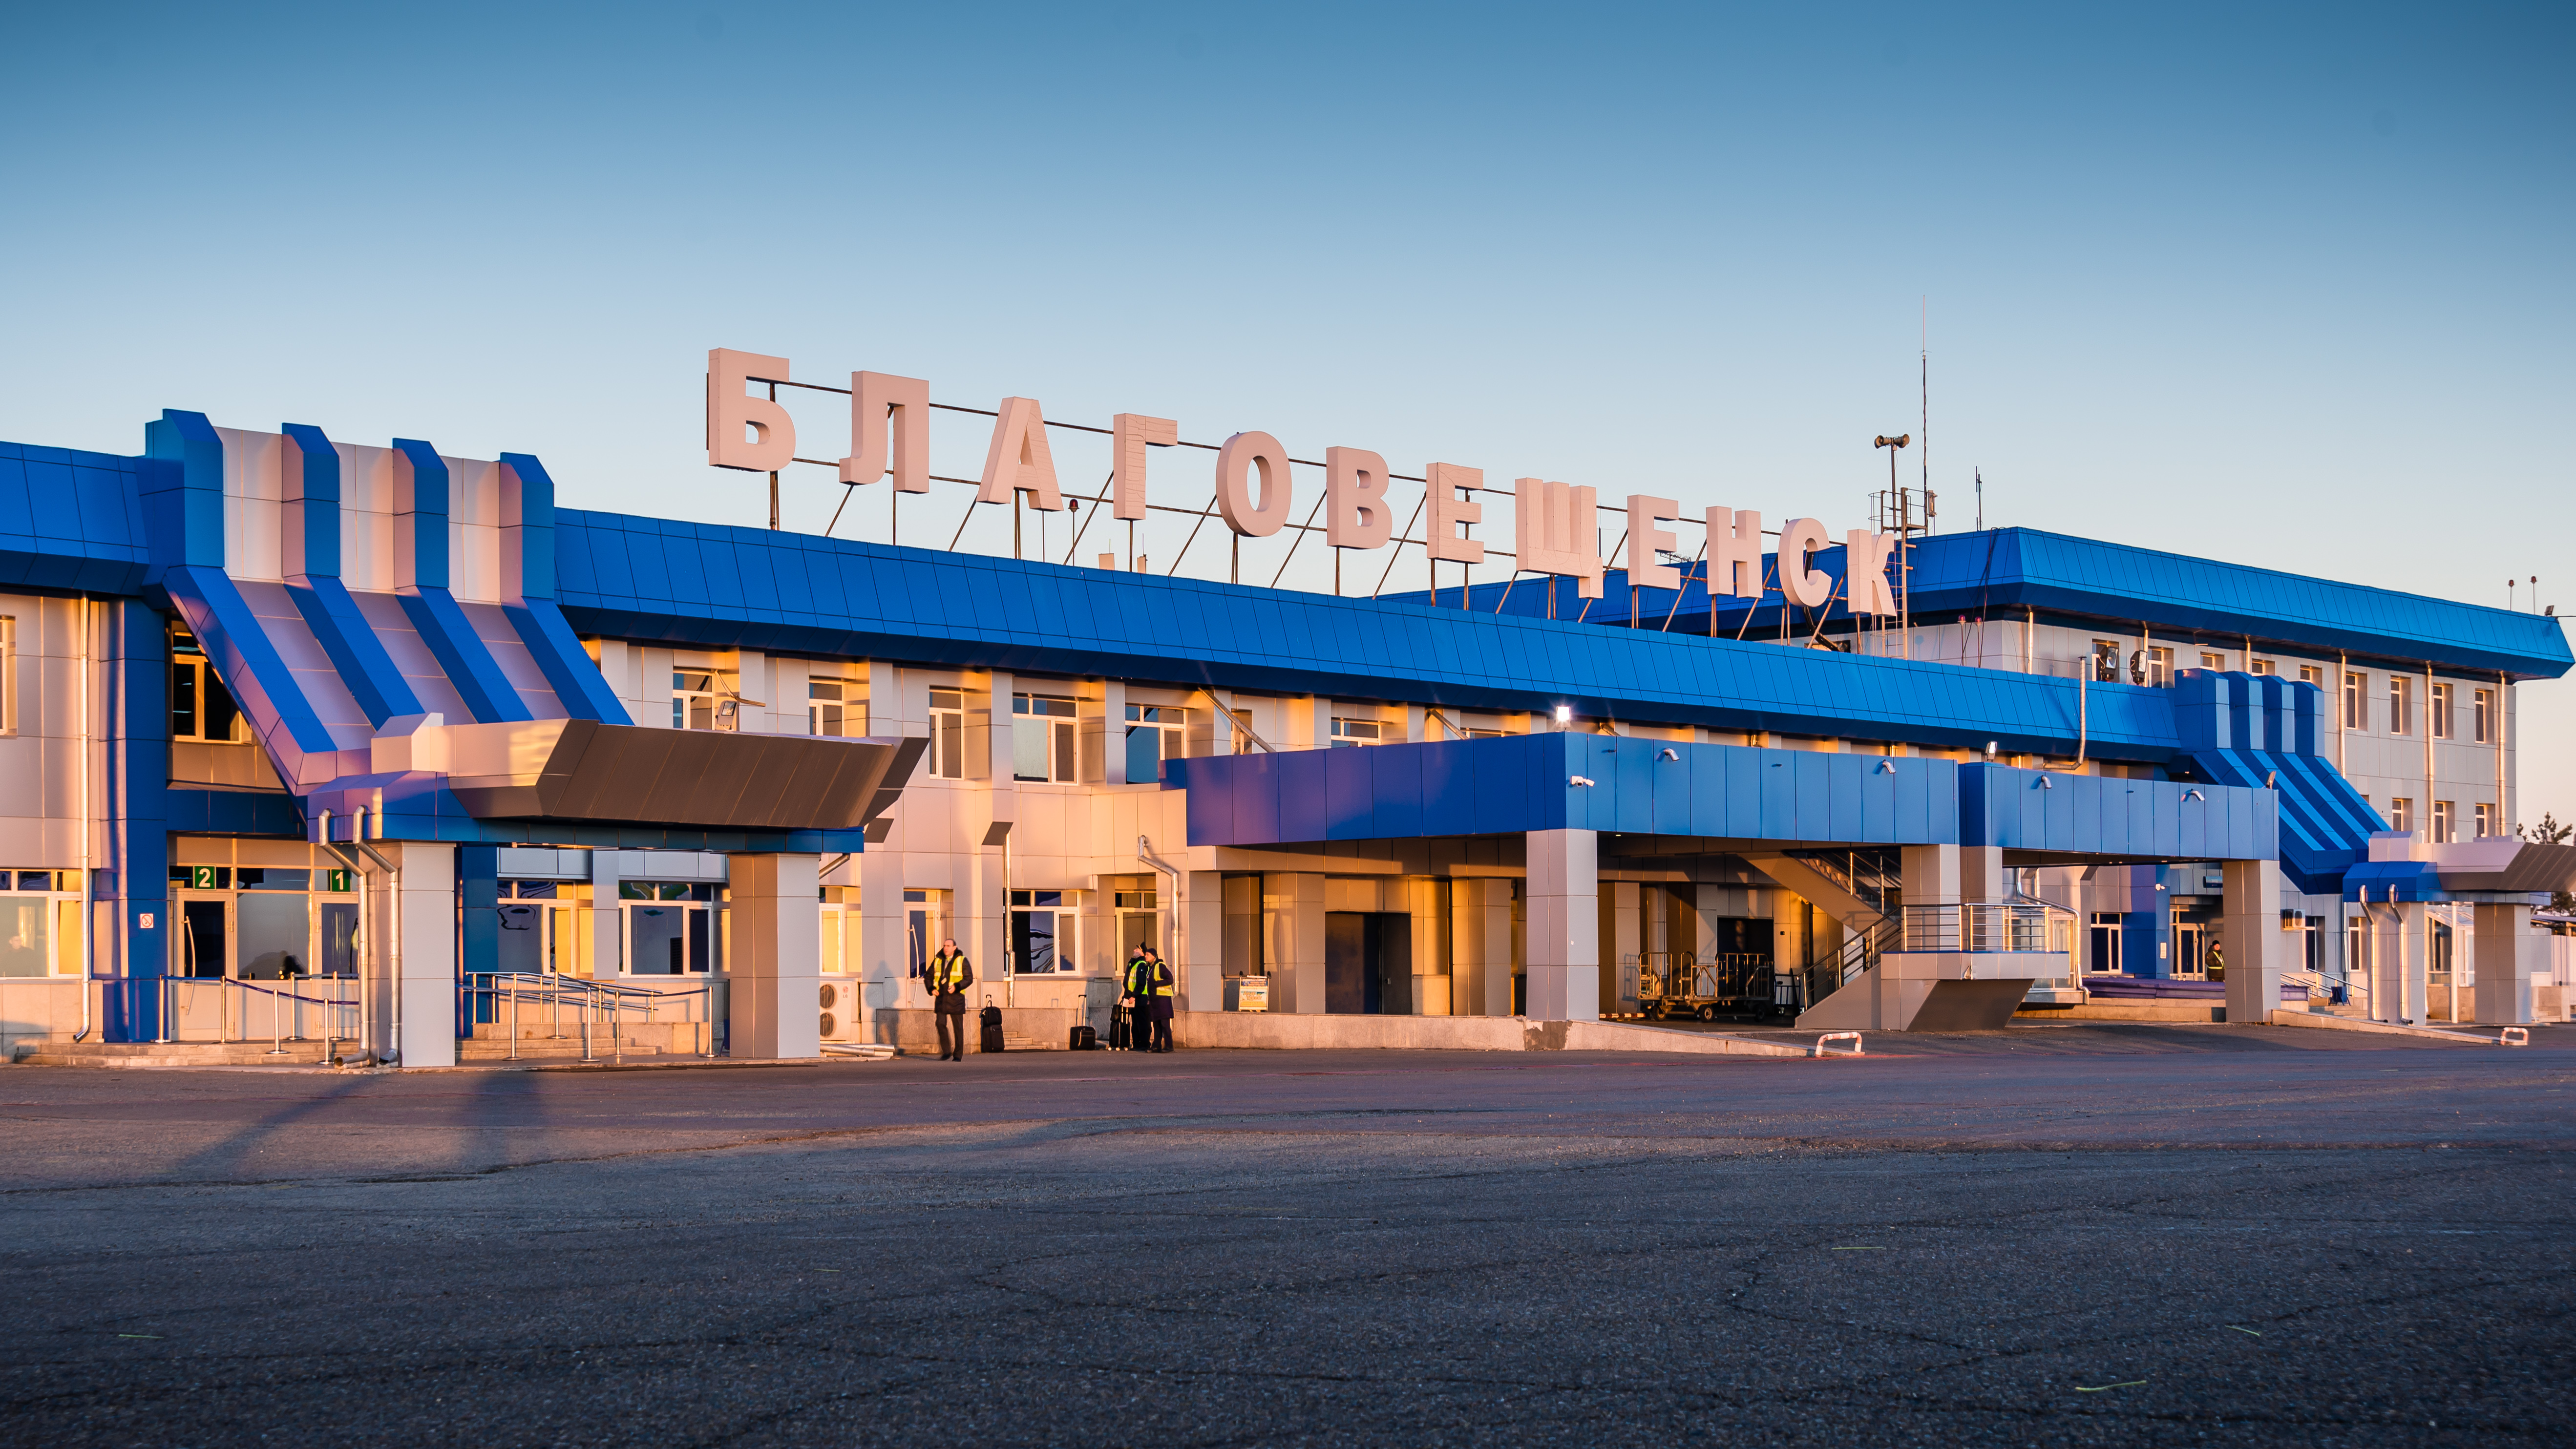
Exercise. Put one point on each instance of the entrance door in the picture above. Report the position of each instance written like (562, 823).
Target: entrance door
(523, 938)
(2104, 958)
(2190, 944)
(666, 938)
(205, 947)
(1368, 962)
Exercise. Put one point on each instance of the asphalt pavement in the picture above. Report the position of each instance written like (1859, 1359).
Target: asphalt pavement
(2112, 1235)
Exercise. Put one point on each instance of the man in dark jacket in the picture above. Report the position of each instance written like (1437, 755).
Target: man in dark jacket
(1149, 989)
(948, 976)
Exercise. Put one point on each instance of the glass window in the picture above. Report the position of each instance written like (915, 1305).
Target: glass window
(200, 707)
(2263, 666)
(835, 707)
(948, 734)
(2355, 687)
(2313, 674)
(1155, 733)
(2209, 660)
(2401, 813)
(2486, 716)
(2444, 821)
(2159, 666)
(2437, 714)
(704, 699)
(1043, 738)
(8, 672)
(1042, 942)
(40, 926)
(2487, 820)
(2400, 704)
(1348, 732)
(2106, 661)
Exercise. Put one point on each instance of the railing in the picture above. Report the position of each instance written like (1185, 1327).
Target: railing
(1666, 982)
(324, 1009)
(578, 1007)
(1866, 875)
(1989, 926)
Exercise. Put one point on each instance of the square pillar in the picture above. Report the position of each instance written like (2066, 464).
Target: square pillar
(2507, 962)
(1434, 980)
(604, 917)
(1480, 953)
(1626, 942)
(885, 942)
(1982, 878)
(1292, 915)
(1564, 925)
(773, 1002)
(2258, 950)
(2400, 971)
(1932, 875)
(419, 921)
(1198, 956)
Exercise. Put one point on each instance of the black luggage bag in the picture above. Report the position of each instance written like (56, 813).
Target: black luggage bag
(992, 1029)
(1085, 1039)
(1122, 1029)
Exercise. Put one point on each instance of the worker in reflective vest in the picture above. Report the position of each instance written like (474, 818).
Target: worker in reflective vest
(949, 975)
(1149, 991)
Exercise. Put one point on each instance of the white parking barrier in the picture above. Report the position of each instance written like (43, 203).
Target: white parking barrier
(2514, 1036)
(1832, 1036)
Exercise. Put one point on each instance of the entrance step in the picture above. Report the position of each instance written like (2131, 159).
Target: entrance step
(181, 1054)
(546, 1050)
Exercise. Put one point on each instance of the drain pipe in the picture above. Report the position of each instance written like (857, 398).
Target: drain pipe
(393, 910)
(89, 907)
(2083, 721)
(1180, 945)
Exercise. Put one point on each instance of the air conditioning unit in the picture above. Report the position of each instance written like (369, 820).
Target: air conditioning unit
(844, 1019)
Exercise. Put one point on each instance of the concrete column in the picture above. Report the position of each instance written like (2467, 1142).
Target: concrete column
(1933, 875)
(885, 952)
(1628, 944)
(2508, 956)
(2400, 973)
(1982, 877)
(1564, 925)
(1292, 915)
(425, 979)
(1480, 930)
(1198, 957)
(982, 926)
(1434, 981)
(602, 918)
(772, 1006)
(2258, 950)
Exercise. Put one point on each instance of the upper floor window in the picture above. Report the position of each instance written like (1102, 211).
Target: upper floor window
(2437, 713)
(200, 707)
(704, 699)
(836, 707)
(2445, 822)
(2106, 661)
(2401, 705)
(2355, 686)
(1043, 738)
(2401, 814)
(2159, 666)
(2263, 666)
(948, 734)
(2313, 674)
(1348, 732)
(1155, 733)
(2487, 822)
(2486, 717)
(2209, 660)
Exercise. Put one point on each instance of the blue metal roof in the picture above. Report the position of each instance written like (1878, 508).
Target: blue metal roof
(721, 587)
(2006, 570)
(1630, 785)
(70, 520)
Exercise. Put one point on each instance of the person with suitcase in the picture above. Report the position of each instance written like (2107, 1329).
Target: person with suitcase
(1149, 986)
(949, 975)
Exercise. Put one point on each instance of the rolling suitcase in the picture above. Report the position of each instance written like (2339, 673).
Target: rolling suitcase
(1122, 1029)
(992, 1029)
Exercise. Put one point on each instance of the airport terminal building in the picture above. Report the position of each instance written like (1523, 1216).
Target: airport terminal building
(371, 751)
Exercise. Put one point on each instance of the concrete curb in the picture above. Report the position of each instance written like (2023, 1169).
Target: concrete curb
(2380, 1028)
(1290, 1031)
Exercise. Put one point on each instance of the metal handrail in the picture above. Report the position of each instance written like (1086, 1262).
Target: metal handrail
(233, 1001)
(591, 999)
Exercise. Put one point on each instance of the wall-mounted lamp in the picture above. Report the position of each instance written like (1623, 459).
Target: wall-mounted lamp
(1669, 754)
(1990, 749)
(1565, 714)
(1584, 781)
(1887, 767)
(2194, 795)
(2044, 783)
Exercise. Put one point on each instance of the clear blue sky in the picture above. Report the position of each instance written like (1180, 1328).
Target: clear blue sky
(2283, 286)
